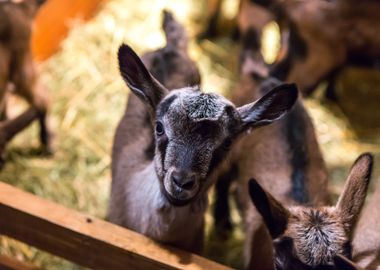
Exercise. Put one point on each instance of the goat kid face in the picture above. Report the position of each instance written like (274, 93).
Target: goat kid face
(310, 238)
(195, 130)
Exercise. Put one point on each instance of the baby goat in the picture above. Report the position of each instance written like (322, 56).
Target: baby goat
(310, 237)
(164, 195)
(285, 156)
(326, 36)
(17, 68)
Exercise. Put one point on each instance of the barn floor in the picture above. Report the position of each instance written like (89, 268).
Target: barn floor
(88, 98)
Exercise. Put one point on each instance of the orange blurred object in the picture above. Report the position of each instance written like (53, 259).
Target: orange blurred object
(53, 23)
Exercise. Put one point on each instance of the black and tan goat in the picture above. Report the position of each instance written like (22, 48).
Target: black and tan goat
(169, 147)
(285, 156)
(17, 69)
(310, 237)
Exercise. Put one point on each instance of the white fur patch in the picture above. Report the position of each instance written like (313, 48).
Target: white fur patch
(149, 213)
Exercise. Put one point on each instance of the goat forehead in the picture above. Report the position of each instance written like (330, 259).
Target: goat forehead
(196, 105)
(318, 235)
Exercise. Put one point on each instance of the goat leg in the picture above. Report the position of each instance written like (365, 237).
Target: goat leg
(222, 221)
(9, 128)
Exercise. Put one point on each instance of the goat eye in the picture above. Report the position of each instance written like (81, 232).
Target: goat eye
(159, 128)
(227, 144)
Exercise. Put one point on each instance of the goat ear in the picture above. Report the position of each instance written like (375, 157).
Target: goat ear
(175, 33)
(342, 263)
(275, 216)
(138, 78)
(271, 107)
(351, 201)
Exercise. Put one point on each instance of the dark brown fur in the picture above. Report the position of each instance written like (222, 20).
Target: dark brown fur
(17, 68)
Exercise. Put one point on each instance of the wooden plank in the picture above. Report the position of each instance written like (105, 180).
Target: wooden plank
(86, 240)
(8, 263)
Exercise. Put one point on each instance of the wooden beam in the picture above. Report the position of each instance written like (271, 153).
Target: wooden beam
(8, 263)
(85, 240)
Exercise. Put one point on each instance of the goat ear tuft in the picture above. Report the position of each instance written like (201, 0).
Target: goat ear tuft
(351, 201)
(342, 263)
(275, 216)
(138, 78)
(269, 108)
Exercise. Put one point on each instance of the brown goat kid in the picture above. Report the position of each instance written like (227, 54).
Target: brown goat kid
(17, 69)
(310, 237)
(326, 36)
(285, 156)
(169, 147)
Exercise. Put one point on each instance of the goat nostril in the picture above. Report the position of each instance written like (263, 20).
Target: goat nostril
(176, 180)
(189, 185)
(183, 182)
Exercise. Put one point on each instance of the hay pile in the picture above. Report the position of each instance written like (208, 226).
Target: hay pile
(88, 98)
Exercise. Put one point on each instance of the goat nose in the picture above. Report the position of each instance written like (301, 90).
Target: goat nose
(183, 179)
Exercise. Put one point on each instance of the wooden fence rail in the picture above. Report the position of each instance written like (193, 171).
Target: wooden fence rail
(85, 240)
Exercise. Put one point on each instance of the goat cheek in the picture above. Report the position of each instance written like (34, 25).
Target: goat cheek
(162, 144)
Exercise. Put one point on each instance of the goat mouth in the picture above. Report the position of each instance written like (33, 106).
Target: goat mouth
(176, 201)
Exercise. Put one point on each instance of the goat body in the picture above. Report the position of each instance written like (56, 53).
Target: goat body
(284, 156)
(17, 68)
(327, 36)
